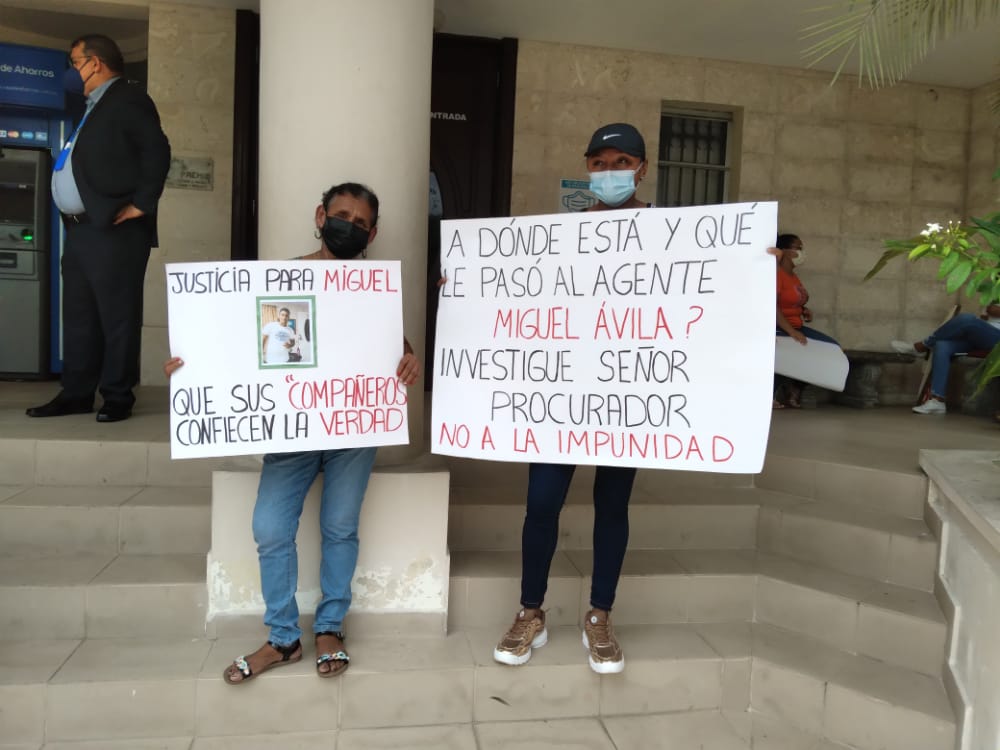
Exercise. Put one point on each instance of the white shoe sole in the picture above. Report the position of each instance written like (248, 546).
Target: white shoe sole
(506, 657)
(603, 667)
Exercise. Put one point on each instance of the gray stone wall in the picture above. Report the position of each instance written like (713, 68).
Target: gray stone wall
(848, 166)
(191, 78)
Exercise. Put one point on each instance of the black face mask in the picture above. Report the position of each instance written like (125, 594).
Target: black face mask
(344, 239)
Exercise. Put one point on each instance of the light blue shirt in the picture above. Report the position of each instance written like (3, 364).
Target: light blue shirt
(65, 193)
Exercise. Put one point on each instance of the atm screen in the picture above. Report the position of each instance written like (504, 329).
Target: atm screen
(17, 204)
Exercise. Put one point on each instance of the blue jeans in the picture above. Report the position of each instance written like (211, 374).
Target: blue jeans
(284, 482)
(547, 488)
(810, 333)
(963, 333)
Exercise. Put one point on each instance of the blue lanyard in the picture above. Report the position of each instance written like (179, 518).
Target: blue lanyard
(64, 154)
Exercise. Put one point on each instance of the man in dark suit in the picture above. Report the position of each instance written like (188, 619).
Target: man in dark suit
(106, 183)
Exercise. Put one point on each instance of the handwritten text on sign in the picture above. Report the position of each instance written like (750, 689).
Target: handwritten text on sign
(285, 356)
(637, 338)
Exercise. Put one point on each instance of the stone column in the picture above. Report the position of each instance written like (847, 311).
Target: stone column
(345, 95)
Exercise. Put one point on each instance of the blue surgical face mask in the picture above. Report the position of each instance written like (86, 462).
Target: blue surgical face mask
(614, 186)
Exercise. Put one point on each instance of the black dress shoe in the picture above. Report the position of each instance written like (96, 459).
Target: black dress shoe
(114, 413)
(60, 406)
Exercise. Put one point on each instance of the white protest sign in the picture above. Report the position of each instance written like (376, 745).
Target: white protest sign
(630, 337)
(285, 356)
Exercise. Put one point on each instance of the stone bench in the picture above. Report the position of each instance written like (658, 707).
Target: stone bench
(861, 388)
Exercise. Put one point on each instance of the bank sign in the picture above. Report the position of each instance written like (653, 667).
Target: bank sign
(31, 77)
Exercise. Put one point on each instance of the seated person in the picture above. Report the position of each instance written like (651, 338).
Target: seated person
(792, 314)
(963, 333)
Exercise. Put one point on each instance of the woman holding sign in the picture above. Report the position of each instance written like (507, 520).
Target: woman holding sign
(616, 161)
(345, 224)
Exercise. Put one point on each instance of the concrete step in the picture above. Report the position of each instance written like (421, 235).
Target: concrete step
(490, 518)
(64, 520)
(852, 539)
(102, 596)
(894, 493)
(728, 687)
(899, 625)
(137, 461)
(854, 700)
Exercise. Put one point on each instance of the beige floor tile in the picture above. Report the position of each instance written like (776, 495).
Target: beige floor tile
(171, 496)
(23, 746)
(913, 561)
(134, 569)
(768, 734)
(42, 612)
(74, 496)
(390, 654)
(494, 602)
(17, 458)
(827, 618)
(8, 491)
(120, 710)
(659, 687)
(731, 640)
(418, 738)
(851, 549)
(693, 527)
(665, 641)
(158, 530)
(857, 720)
(796, 652)
(638, 562)
(35, 531)
(786, 474)
(647, 600)
(721, 598)
(702, 729)
(76, 462)
(65, 570)
(579, 734)
(168, 610)
(287, 699)
(166, 743)
(902, 494)
(716, 562)
(23, 716)
(122, 659)
(289, 741)
(901, 639)
(895, 685)
(538, 690)
(29, 662)
(736, 684)
(789, 696)
(394, 699)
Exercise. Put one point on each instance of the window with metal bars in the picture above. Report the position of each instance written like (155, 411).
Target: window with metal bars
(694, 166)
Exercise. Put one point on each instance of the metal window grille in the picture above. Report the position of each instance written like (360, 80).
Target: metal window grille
(694, 159)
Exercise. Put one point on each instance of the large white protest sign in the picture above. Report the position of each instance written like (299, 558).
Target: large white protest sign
(285, 356)
(630, 337)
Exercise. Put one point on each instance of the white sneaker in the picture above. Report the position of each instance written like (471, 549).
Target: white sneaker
(931, 406)
(904, 347)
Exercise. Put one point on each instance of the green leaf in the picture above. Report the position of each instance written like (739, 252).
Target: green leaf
(880, 264)
(948, 265)
(920, 250)
(988, 369)
(957, 277)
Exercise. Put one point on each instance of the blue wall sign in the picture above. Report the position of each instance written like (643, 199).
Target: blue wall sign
(31, 77)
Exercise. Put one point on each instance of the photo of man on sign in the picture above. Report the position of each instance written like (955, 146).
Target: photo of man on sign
(285, 332)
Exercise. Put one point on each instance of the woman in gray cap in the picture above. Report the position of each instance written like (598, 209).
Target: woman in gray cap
(616, 161)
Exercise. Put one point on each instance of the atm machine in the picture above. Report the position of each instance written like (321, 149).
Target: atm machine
(24, 261)
(33, 126)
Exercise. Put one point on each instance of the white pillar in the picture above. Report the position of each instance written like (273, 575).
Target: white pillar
(345, 91)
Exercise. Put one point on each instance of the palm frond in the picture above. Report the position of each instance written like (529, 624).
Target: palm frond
(888, 37)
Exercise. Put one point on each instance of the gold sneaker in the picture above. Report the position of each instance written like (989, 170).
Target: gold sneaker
(605, 654)
(527, 632)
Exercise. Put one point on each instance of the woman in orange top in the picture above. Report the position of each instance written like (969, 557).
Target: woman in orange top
(792, 313)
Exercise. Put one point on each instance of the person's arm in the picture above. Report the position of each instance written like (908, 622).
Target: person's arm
(788, 328)
(151, 150)
(409, 366)
(263, 347)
